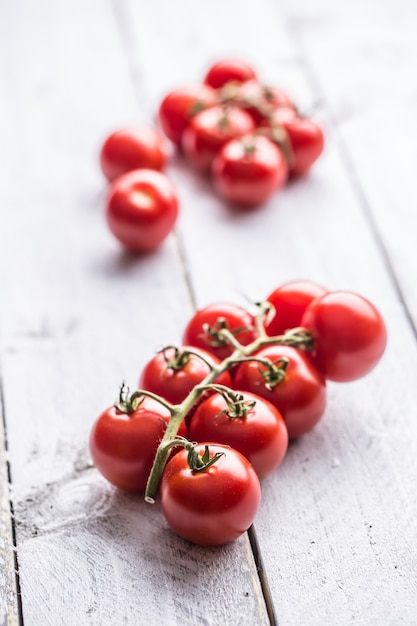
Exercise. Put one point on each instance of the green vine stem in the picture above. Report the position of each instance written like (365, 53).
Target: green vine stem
(297, 337)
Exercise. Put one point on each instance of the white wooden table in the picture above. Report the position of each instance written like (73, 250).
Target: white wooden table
(335, 540)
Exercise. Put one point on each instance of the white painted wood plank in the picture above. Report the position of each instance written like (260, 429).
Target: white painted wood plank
(81, 317)
(8, 590)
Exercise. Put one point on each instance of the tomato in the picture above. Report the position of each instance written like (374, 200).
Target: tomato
(179, 106)
(130, 149)
(259, 100)
(123, 444)
(349, 332)
(209, 130)
(290, 300)
(300, 397)
(141, 209)
(173, 373)
(247, 423)
(202, 329)
(305, 136)
(215, 505)
(228, 70)
(248, 170)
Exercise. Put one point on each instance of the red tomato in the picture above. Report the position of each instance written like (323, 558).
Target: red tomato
(202, 329)
(130, 149)
(123, 445)
(305, 136)
(209, 130)
(173, 374)
(228, 70)
(248, 170)
(260, 100)
(290, 300)
(141, 209)
(215, 505)
(252, 425)
(179, 106)
(300, 397)
(349, 333)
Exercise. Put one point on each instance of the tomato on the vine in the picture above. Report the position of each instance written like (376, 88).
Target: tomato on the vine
(247, 423)
(209, 130)
(141, 209)
(248, 170)
(203, 328)
(228, 70)
(305, 136)
(179, 106)
(295, 387)
(290, 300)
(260, 100)
(123, 443)
(174, 372)
(132, 148)
(349, 333)
(210, 506)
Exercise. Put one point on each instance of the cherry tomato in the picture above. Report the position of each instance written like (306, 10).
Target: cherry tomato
(290, 300)
(130, 149)
(305, 136)
(300, 397)
(202, 329)
(349, 332)
(260, 100)
(228, 70)
(141, 209)
(249, 424)
(123, 445)
(209, 130)
(248, 170)
(174, 372)
(179, 106)
(215, 505)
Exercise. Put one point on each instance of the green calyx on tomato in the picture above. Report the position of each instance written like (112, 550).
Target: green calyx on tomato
(214, 336)
(237, 405)
(200, 462)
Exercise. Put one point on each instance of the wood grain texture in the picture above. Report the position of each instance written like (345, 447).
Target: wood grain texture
(336, 530)
(8, 588)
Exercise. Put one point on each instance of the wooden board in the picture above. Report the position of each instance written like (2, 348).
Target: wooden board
(334, 542)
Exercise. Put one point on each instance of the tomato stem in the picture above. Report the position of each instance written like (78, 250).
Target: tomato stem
(297, 337)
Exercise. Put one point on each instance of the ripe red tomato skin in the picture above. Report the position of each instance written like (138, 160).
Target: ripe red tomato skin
(261, 435)
(305, 136)
(228, 70)
(249, 178)
(178, 107)
(300, 397)
(209, 130)
(175, 385)
(264, 98)
(235, 316)
(141, 209)
(214, 506)
(349, 332)
(290, 301)
(132, 148)
(123, 446)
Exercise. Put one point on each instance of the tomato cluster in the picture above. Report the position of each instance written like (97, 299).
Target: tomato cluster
(249, 136)
(213, 417)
